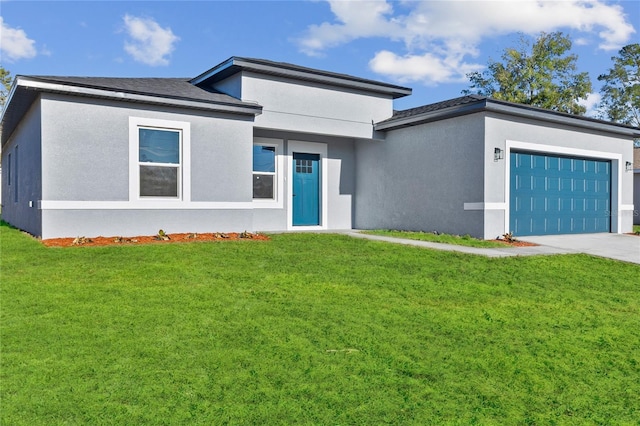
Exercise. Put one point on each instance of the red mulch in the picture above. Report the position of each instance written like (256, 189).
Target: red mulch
(517, 243)
(172, 238)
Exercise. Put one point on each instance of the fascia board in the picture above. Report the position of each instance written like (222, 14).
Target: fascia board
(131, 97)
(213, 71)
(8, 99)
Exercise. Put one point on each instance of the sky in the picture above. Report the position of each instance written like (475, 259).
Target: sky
(428, 46)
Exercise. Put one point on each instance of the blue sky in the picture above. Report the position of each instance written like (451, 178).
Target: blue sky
(426, 45)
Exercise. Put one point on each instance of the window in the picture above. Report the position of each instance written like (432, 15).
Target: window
(159, 162)
(264, 172)
(15, 178)
(9, 170)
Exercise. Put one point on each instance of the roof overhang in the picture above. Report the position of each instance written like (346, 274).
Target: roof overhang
(512, 109)
(234, 65)
(26, 89)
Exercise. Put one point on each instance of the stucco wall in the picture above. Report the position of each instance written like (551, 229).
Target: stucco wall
(420, 177)
(507, 132)
(314, 108)
(636, 198)
(86, 164)
(23, 213)
(86, 151)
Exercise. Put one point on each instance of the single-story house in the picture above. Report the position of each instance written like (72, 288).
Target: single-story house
(258, 145)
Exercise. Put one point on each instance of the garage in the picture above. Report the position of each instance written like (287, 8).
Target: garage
(552, 194)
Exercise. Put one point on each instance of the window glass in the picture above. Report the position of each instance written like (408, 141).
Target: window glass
(264, 172)
(263, 186)
(158, 181)
(264, 158)
(159, 146)
(159, 158)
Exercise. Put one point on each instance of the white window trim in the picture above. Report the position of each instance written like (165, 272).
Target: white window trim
(278, 201)
(184, 178)
(308, 148)
(616, 174)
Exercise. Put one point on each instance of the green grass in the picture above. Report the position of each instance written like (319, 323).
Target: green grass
(313, 329)
(636, 229)
(464, 240)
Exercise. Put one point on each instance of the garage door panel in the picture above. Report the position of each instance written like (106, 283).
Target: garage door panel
(557, 195)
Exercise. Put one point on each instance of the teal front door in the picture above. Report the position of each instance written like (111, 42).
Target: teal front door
(551, 194)
(306, 189)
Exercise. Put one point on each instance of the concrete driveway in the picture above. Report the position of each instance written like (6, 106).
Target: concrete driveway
(614, 246)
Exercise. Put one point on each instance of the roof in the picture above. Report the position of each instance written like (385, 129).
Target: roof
(172, 88)
(236, 64)
(470, 104)
(176, 92)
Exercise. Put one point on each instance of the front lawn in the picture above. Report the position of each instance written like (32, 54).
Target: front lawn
(313, 329)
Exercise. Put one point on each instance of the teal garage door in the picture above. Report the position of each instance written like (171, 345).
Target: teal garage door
(558, 195)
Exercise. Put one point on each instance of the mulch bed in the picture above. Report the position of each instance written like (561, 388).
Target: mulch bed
(516, 243)
(155, 239)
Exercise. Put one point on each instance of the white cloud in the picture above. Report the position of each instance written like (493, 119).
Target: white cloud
(591, 103)
(440, 37)
(356, 20)
(14, 43)
(429, 68)
(150, 43)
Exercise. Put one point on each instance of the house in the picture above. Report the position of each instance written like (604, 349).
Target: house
(258, 145)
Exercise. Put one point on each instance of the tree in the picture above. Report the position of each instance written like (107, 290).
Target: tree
(621, 90)
(5, 77)
(541, 74)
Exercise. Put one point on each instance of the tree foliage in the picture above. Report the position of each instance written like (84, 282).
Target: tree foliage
(540, 73)
(6, 78)
(621, 90)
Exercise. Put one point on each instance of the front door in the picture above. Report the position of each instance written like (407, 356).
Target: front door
(306, 189)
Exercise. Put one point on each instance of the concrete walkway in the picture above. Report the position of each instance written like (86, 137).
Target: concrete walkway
(613, 246)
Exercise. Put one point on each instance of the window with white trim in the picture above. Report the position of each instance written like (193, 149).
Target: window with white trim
(264, 172)
(159, 162)
(159, 154)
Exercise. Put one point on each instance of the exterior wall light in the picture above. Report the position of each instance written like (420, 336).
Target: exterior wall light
(628, 166)
(498, 154)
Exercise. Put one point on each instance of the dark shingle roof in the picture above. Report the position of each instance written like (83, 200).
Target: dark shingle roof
(476, 103)
(173, 88)
(438, 106)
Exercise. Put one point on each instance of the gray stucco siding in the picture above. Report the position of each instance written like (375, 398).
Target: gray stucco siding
(420, 177)
(86, 150)
(130, 223)
(314, 108)
(636, 198)
(221, 159)
(26, 173)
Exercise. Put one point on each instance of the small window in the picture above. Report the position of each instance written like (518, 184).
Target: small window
(9, 170)
(159, 162)
(264, 172)
(17, 173)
